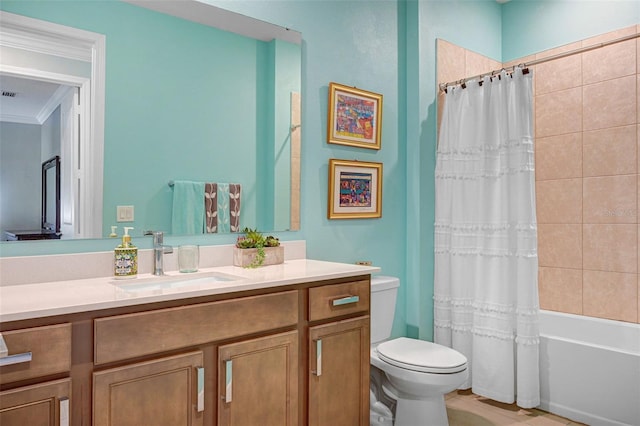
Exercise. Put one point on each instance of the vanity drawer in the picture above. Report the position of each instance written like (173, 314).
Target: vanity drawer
(50, 348)
(339, 299)
(133, 335)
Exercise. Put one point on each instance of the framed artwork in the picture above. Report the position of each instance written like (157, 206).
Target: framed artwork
(355, 189)
(355, 117)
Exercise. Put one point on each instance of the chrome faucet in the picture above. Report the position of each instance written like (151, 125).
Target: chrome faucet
(159, 250)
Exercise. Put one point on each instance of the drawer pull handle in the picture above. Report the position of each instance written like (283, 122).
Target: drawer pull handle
(345, 300)
(318, 370)
(228, 394)
(6, 359)
(200, 405)
(15, 359)
(64, 411)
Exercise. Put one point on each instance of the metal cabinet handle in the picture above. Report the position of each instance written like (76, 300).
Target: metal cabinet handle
(64, 411)
(345, 300)
(228, 393)
(318, 370)
(200, 404)
(6, 359)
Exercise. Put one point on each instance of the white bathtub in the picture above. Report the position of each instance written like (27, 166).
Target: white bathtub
(590, 369)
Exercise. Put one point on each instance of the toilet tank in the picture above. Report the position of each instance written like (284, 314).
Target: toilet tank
(384, 290)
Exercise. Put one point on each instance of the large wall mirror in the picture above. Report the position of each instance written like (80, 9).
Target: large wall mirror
(192, 92)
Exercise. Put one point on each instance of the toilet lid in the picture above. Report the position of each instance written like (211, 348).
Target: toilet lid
(418, 355)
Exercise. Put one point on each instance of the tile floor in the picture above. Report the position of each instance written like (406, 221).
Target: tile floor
(467, 409)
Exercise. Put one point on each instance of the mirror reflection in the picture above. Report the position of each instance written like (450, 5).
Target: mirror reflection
(51, 196)
(187, 102)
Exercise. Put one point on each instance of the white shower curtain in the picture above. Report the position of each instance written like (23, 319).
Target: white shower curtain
(486, 264)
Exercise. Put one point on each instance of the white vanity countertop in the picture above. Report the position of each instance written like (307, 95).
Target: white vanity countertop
(27, 301)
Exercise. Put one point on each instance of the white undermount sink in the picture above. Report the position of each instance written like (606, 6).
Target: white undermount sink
(163, 283)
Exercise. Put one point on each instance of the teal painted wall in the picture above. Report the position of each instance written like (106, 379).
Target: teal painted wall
(388, 47)
(475, 25)
(532, 26)
(354, 43)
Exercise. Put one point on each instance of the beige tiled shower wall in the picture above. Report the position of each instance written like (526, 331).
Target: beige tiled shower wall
(587, 129)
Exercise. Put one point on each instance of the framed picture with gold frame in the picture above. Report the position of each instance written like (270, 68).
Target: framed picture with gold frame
(355, 189)
(355, 117)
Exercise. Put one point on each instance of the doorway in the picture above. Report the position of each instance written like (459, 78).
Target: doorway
(83, 56)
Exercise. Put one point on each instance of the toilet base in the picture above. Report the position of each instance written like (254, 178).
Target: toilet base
(430, 411)
(419, 396)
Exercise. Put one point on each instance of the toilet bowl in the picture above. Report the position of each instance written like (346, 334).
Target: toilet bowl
(418, 387)
(415, 374)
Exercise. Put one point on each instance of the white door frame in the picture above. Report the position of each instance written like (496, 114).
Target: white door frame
(30, 34)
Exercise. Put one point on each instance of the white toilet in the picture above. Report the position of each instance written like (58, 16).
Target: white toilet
(414, 373)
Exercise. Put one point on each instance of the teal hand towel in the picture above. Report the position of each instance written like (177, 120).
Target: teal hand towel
(188, 208)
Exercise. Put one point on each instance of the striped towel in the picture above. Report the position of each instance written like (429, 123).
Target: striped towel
(222, 207)
(211, 207)
(234, 206)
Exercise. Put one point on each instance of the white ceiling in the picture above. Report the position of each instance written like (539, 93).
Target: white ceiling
(34, 100)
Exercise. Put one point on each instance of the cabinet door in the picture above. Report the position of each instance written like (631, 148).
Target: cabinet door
(258, 381)
(163, 392)
(45, 404)
(339, 376)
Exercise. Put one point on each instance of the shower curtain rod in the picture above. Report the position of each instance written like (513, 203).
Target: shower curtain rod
(524, 65)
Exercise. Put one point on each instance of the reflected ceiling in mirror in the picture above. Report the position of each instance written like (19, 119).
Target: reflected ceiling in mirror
(187, 101)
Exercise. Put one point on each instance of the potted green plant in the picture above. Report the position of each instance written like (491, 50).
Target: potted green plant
(254, 249)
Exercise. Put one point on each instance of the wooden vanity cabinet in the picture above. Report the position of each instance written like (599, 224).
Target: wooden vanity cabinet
(339, 355)
(179, 389)
(240, 359)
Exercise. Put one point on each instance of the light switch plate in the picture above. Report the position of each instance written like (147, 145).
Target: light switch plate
(124, 214)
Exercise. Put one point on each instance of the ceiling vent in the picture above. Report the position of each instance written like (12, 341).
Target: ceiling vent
(9, 94)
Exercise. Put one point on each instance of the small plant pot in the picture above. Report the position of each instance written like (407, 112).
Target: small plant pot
(247, 257)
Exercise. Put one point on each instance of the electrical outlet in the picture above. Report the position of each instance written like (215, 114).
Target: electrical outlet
(124, 214)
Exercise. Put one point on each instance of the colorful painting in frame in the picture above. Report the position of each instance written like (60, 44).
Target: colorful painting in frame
(355, 189)
(355, 117)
